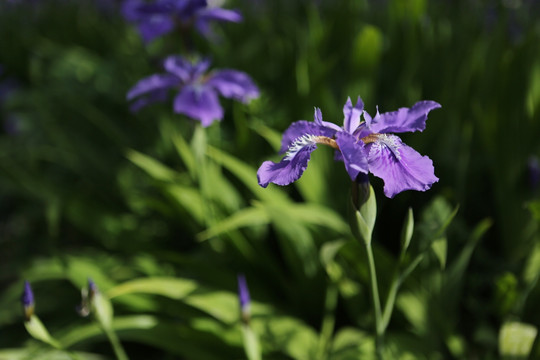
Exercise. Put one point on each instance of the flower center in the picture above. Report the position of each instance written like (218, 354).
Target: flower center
(308, 140)
(381, 141)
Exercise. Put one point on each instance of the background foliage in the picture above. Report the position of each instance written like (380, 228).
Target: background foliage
(162, 215)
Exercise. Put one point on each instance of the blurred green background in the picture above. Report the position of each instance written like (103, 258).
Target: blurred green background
(89, 189)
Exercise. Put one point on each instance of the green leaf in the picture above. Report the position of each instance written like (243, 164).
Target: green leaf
(252, 216)
(38, 331)
(222, 305)
(247, 175)
(154, 168)
(407, 231)
(516, 340)
(351, 344)
(251, 343)
(288, 335)
(174, 288)
(189, 198)
(439, 247)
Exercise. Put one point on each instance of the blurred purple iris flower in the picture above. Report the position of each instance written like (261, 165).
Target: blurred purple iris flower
(159, 17)
(198, 90)
(364, 146)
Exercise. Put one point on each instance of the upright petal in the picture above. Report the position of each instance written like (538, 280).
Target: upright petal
(352, 115)
(286, 171)
(353, 154)
(302, 128)
(400, 166)
(402, 120)
(234, 84)
(317, 118)
(178, 66)
(152, 83)
(200, 103)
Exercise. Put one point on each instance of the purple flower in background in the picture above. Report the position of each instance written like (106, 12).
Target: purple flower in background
(243, 295)
(27, 300)
(198, 91)
(364, 146)
(159, 17)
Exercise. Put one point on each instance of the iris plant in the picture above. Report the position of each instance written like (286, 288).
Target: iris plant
(367, 145)
(197, 90)
(159, 17)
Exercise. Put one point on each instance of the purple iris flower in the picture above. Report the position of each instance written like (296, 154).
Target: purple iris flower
(159, 17)
(364, 146)
(198, 90)
(27, 300)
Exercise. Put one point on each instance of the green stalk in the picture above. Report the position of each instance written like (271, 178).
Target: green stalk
(379, 330)
(119, 351)
(327, 328)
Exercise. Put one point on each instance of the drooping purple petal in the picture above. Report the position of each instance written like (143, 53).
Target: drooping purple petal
(152, 83)
(400, 166)
(286, 171)
(353, 154)
(234, 84)
(155, 26)
(301, 128)
(402, 120)
(153, 97)
(352, 115)
(317, 118)
(200, 103)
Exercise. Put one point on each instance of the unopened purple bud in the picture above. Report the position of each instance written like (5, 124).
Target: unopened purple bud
(243, 295)
(27, 300)
(92, 289)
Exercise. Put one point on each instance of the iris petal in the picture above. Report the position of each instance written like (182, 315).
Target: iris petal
(352, 115)
(152, 83)
(400, 166)
(402, 120)
(234, 84)
(286, 171)
(353, 154)
(199, 103)
(301, 128)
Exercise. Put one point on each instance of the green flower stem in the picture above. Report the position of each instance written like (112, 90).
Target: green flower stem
(328, 323)
(379, 330)
(119, 351)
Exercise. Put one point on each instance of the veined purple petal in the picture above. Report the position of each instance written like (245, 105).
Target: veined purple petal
(286, 171)
(302, 128)
(317, 118)
(352, 115)
(152, 83)
(402, 120)
(199, 103)
(353, 154)
(400, 166)
(234, 84)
